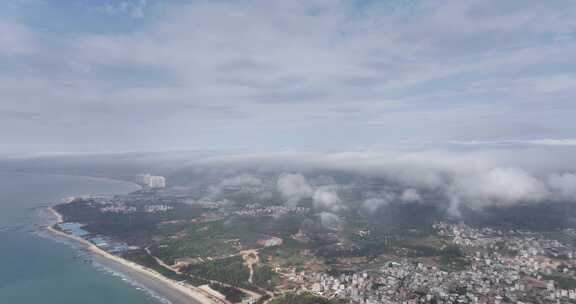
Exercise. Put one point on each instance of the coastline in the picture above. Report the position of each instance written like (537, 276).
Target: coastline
(190, 293)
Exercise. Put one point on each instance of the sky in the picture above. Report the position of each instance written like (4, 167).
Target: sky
(151, 75)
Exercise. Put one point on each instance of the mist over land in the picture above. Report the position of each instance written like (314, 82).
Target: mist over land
(509, 186)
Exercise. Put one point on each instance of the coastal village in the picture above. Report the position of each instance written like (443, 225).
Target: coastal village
(474, 265)
(531, 275)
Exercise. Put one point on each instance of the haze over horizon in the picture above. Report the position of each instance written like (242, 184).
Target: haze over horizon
(150, 75)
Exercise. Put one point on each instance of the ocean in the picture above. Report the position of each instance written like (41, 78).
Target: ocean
(35, 267)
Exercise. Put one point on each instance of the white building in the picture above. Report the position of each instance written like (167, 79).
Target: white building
(157, 182)
(151, 181)
(143, 179)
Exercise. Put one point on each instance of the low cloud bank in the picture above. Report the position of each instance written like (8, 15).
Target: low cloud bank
(474, 179)
(241, 181)
(327, 198)
(564, 185)
(294, 187)
(410, 195)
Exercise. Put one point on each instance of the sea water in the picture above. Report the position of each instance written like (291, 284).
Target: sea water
(35, 268)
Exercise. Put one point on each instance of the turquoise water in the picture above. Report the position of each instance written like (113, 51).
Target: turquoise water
(35, 269)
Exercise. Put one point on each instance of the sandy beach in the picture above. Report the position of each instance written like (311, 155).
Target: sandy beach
(173, 291)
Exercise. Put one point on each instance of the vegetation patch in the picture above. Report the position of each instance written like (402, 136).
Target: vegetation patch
(232, 294)
(229, 270)
(305, 298)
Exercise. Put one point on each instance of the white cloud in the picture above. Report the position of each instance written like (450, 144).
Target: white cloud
(293, 187)
(16, 39)
(373, 204)
(330, 220)
(326, 198)
(132, 8)
(564, 185)
(542, 142)
(338, 42)
(553, 142)
(410, 195)
(240, 181)
(551, 84)
(224, 69)
(502, 185)
(474, 178)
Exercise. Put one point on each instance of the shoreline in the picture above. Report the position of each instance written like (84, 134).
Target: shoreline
(192, 293)
(95, 177)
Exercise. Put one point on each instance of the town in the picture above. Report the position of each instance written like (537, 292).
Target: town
(264, 249)
(505, 267)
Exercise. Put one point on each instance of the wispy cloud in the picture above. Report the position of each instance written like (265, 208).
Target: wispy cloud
(541, 142)
(472, 178)
(16, 39)
(418, 71)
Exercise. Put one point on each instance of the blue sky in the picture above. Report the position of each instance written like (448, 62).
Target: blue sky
(274, 74)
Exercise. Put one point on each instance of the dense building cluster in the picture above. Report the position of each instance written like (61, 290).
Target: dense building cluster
(157, 208)
(118, 208)
(503, 267)
(124, 205)
(274, 211)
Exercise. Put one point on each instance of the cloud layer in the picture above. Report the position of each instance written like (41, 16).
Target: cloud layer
(294, 187)
(451, 179)
(160, 75)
